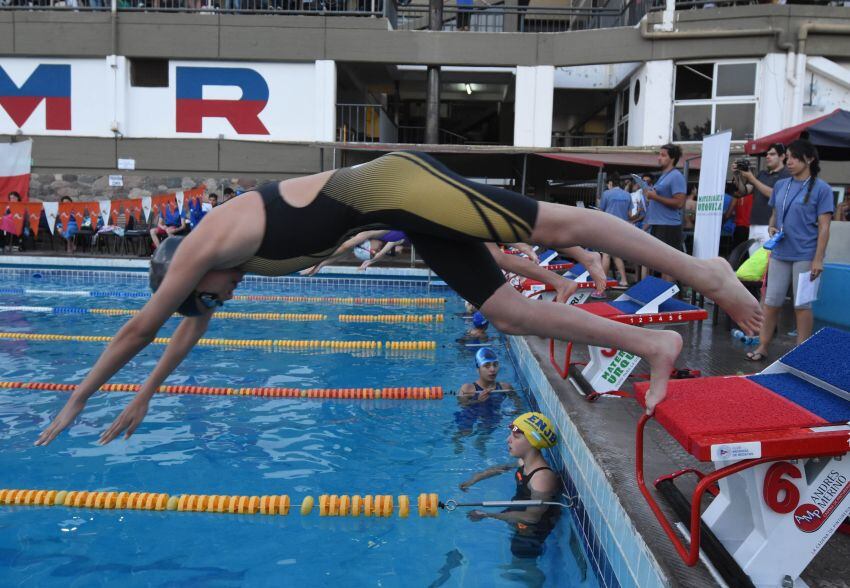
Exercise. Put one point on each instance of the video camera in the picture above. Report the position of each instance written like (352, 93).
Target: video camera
(743, 164)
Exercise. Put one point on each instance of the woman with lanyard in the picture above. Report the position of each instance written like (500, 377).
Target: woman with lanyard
(799, 230)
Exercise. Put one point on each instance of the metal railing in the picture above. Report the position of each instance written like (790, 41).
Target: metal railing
(560, 139)
(498, 17)
(304, 7)
(656, 5)
(364, 123)
(416, 135)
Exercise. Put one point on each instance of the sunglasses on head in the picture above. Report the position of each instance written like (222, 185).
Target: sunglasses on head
(210, 300)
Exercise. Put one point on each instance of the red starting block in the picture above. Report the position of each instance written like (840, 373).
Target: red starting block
(779, 444)
(649, 302)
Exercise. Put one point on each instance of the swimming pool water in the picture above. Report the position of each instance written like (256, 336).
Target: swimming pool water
(256, 446)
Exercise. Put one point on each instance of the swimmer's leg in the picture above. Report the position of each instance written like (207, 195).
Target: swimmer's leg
(563, 226)
(512, 313)
(471, 271)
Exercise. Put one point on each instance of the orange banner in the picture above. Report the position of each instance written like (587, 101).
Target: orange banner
(131, 207)
(16, 212)
(80, 210)
(160, 201)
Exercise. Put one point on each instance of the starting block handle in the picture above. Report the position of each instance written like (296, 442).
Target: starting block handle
(689, 555)
(565, 371)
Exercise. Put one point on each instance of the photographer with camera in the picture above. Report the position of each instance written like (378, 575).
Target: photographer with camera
(761, 187)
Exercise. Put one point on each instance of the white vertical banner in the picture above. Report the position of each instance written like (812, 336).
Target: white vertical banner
(146, 208)
(105, 207)
(51, 211)
(712, 187)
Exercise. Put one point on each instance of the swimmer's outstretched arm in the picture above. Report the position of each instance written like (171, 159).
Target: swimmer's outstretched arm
(528, 516)
(135, 335)
(185, 336)
(523, 266)
(388, 246)
(488, 473)
(346, 245)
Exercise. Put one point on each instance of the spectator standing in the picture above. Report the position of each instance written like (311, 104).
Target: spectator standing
(802, 211)
(616, 202)
(761, 187)
(228, 194)
(665, 200)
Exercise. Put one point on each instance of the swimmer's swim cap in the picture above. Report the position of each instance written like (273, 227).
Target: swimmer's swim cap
(363, 252)
(159, 266)
(485, 355)
(478, 320)
(537, 429)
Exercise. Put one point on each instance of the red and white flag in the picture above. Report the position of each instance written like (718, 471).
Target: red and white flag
(15, 159)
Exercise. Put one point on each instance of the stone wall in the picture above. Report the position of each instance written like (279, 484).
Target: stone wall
(51, 187)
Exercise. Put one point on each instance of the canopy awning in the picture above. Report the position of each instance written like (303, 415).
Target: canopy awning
(829, 133)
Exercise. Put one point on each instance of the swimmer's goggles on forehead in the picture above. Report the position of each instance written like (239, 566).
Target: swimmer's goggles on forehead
(494, 363)
(516, 431)
(209, 300)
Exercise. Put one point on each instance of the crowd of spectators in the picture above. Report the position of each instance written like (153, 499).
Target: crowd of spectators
(71, 233)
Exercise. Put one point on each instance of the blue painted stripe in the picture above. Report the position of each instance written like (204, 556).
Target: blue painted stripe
(191, 82)
(46, 81)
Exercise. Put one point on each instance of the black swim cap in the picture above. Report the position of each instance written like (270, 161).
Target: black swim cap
(159, 266)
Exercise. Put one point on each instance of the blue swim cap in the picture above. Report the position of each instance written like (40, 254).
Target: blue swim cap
(479, 321)
(485, 355)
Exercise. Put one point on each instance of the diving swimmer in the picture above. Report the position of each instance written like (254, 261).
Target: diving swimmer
(283, 227)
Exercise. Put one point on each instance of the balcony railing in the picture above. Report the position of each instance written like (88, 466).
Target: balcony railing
(408, 134)
(561, 139)
(364, 123)
(498, 17)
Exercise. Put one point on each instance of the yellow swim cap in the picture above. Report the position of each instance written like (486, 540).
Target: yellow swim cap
(537, 429)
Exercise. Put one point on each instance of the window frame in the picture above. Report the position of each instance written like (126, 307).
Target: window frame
(715, 100)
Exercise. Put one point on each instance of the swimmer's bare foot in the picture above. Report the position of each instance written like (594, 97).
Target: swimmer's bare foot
(664, 350)
(724, 287)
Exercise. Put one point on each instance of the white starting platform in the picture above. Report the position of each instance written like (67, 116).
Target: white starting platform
(647, 303)
(779, 443)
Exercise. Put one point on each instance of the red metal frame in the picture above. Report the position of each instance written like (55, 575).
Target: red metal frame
(714, 490)
(566, 371)
(690, 554)
(698, 314)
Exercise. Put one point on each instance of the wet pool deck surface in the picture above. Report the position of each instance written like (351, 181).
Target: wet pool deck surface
(608, 427)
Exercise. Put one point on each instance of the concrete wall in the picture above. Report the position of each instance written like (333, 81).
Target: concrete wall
(533, 106)
(650, 119)
(310, 38)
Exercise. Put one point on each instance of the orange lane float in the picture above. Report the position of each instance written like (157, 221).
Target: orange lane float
(396, 393)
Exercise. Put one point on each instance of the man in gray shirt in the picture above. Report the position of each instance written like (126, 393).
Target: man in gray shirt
(761, 186)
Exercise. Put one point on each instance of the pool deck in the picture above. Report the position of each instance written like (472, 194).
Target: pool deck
(608, 427)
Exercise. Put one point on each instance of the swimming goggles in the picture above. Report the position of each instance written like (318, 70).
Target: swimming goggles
(210, 300)
(516, 431)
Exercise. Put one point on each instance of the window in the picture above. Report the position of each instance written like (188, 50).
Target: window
(148, 73)
(621, 118)
(712, 97)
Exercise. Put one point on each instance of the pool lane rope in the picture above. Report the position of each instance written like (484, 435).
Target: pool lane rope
(265, 316)
(381, 301)
(390, 393)
(269, 344)
(259, 316)
(329, 505)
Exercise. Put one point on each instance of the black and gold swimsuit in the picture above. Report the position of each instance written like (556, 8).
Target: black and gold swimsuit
(447, 217)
